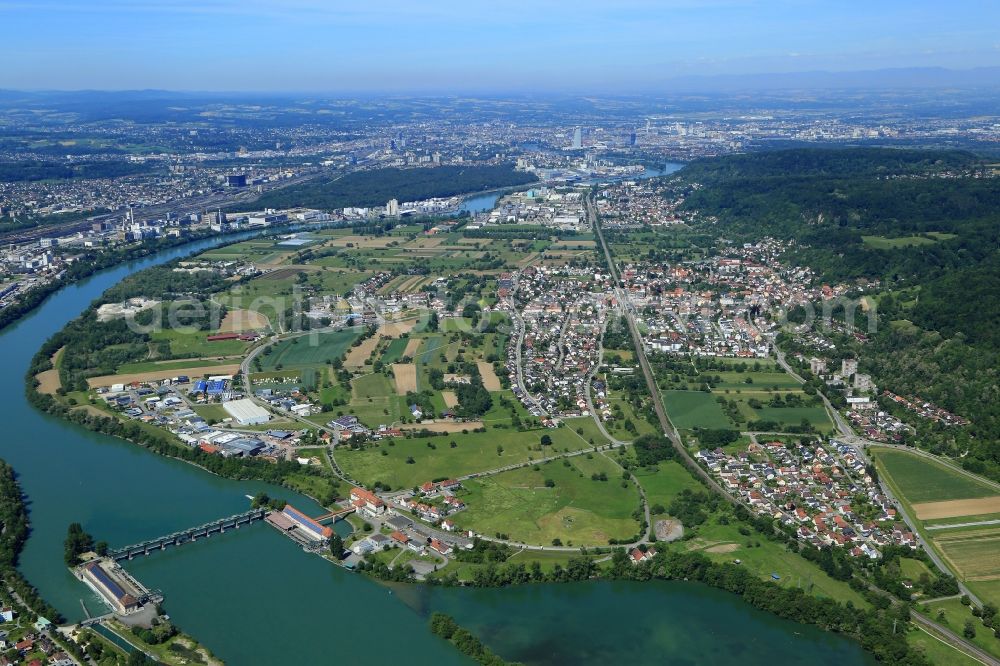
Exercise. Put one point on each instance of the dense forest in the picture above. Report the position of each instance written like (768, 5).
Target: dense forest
(926, 225)
(375, 188)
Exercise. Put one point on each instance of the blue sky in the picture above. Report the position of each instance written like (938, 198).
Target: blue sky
(453, 45)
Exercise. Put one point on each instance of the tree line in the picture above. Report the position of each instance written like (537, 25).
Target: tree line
(376, 187)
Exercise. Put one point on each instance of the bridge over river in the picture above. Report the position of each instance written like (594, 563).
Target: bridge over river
(185, 536)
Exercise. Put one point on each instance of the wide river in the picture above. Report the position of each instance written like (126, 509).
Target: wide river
(253, 597)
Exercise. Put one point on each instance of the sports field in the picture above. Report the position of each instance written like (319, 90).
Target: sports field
(694, 409)
(921, 480)
(309, 349)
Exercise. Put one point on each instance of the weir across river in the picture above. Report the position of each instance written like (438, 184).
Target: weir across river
(184, 536)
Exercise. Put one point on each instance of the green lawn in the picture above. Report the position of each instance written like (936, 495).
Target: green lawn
(760, 380)
(374, 400)
(474, 452)
(616, 427)
(793, 416)
(936, 650)
(211, 412)
(320, 488)
(694, 409)
(577, 510)
(374, 385)
(955, 615)
(920, 479)
(886, 243)
(587, 428)
(663, 482)
(724, 543)
(309, 350)
(502, 415)
(195, 344)
(433, 347)
(547, 559)
(912, 569)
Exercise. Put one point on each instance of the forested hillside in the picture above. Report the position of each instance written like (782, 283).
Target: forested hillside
(375, 188)
(924, 223)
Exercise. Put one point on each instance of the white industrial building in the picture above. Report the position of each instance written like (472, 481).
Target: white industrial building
(247, 412)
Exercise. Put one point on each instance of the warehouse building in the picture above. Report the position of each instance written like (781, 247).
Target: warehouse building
(246, 412)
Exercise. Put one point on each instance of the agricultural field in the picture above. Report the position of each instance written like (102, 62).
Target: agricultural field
(694, 409)
(922, 481)
(974, 553)
(987, 590)
(157, 375)
(394, 351)
(175, 364)
(308, 350)
(954, 501)
(560, 500)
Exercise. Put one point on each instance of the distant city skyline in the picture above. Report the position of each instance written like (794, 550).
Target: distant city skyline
(452, 46)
